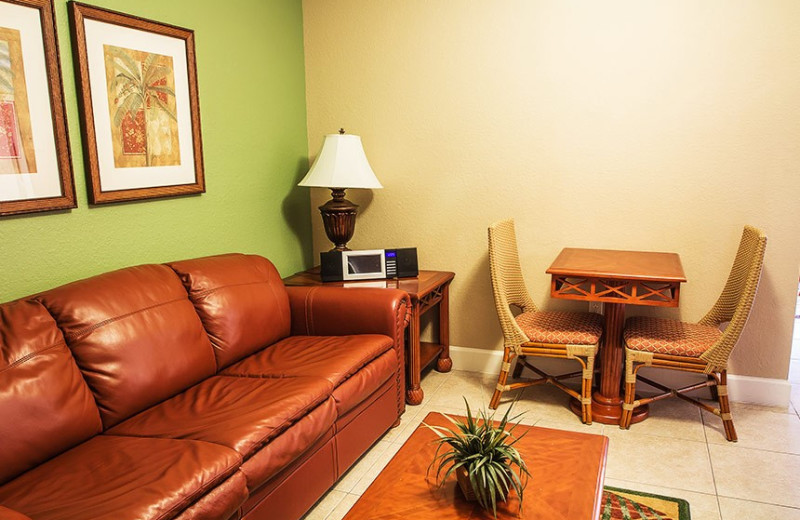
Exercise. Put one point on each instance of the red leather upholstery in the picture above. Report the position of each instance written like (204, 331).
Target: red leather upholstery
(119, 478)
(241, 301)
(112, 405)
(365, 382)
(8, 514)
(292, 443)
(45, 406)
(337, 359)
(332, 311)
(334, 358)
(241, 413)
(135, 336)
(221, 502)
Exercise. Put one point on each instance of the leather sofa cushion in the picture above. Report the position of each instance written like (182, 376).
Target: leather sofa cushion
(241, 301)
(365, 382)
(45, 406)
(121, 478)
(342, 360)
(221, 503)
(242, 413)
(135, 336)
(8, 514)
(290, 445)
(334, 358)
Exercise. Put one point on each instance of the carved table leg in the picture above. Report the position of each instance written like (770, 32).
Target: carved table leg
(414, 392)
(444, 363)
(606, 402)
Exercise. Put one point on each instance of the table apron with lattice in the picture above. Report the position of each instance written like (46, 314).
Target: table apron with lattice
(608, 290)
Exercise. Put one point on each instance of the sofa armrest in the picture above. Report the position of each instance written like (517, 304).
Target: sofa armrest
(9, 514)
(339, 311)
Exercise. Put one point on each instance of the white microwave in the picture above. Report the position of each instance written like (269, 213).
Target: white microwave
(368, 264)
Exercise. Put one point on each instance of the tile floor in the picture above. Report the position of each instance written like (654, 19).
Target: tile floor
(754, 479)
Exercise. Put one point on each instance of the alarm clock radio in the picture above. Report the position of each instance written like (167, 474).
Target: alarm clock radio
(368, 264)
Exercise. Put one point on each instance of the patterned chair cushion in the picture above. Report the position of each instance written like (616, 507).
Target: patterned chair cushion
(562, 328)
(671, 337)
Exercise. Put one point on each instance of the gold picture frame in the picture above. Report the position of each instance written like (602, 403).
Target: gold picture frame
(137, 83)
(35, 167)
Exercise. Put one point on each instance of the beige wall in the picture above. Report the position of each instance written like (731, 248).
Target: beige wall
(629, 125)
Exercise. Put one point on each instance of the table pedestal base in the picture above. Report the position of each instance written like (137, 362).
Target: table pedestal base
(608, 412)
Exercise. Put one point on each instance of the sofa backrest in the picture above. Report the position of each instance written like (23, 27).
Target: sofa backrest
(135, 336)
(45, 405)
(241, 301)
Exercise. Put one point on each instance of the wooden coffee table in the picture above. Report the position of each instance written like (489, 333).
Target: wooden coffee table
(567, 471)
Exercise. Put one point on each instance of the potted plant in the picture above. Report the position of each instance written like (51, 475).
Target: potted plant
(484, 456)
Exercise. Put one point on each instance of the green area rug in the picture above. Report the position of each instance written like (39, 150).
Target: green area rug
(624, 504)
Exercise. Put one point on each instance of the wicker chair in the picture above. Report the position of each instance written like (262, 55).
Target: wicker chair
(696, 347)
(568, 335)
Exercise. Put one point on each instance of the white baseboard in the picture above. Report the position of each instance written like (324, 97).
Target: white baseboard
(743, 389)
(759, 390)
(476, 359)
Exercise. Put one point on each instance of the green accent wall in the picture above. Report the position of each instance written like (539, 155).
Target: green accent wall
(252, 104)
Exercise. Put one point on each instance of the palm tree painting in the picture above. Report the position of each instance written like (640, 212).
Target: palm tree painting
(6, 77)
(142, 109)
(16, 139)
(8, 127)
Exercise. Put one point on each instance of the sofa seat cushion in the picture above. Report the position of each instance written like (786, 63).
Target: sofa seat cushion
(365, 382)
(299, 438)
(334, 358)
(339, 359)
(120, 478)
(242, 413)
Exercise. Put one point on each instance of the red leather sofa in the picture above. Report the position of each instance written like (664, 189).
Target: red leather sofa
(201, 389)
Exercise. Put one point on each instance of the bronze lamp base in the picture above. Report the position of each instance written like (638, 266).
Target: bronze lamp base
(339, 219)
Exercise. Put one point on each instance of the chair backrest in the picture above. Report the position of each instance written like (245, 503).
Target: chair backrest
(507, 282)
(736, 300)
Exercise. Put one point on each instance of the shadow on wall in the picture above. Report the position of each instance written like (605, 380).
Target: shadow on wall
(484, 333)
(295, 209)
(752, 355)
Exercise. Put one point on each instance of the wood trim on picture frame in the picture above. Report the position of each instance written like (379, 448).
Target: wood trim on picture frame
(137, 86)
(35, 166)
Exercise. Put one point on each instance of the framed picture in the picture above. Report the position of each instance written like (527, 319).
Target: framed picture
(35, 169)
(141, 117)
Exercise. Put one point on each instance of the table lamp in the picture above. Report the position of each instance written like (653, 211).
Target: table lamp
(341, 164)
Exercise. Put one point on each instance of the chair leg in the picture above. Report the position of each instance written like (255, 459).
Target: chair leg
(630, 395)
(518, 367)
(725, 407)
(586, 390)
(502, 378)
(713, 389)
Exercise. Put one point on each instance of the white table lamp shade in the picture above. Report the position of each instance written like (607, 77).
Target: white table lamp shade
(341, 163)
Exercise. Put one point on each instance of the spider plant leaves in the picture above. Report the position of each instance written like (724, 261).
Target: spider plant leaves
(486, 451)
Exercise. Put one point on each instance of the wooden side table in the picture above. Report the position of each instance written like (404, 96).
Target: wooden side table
(430, 289)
